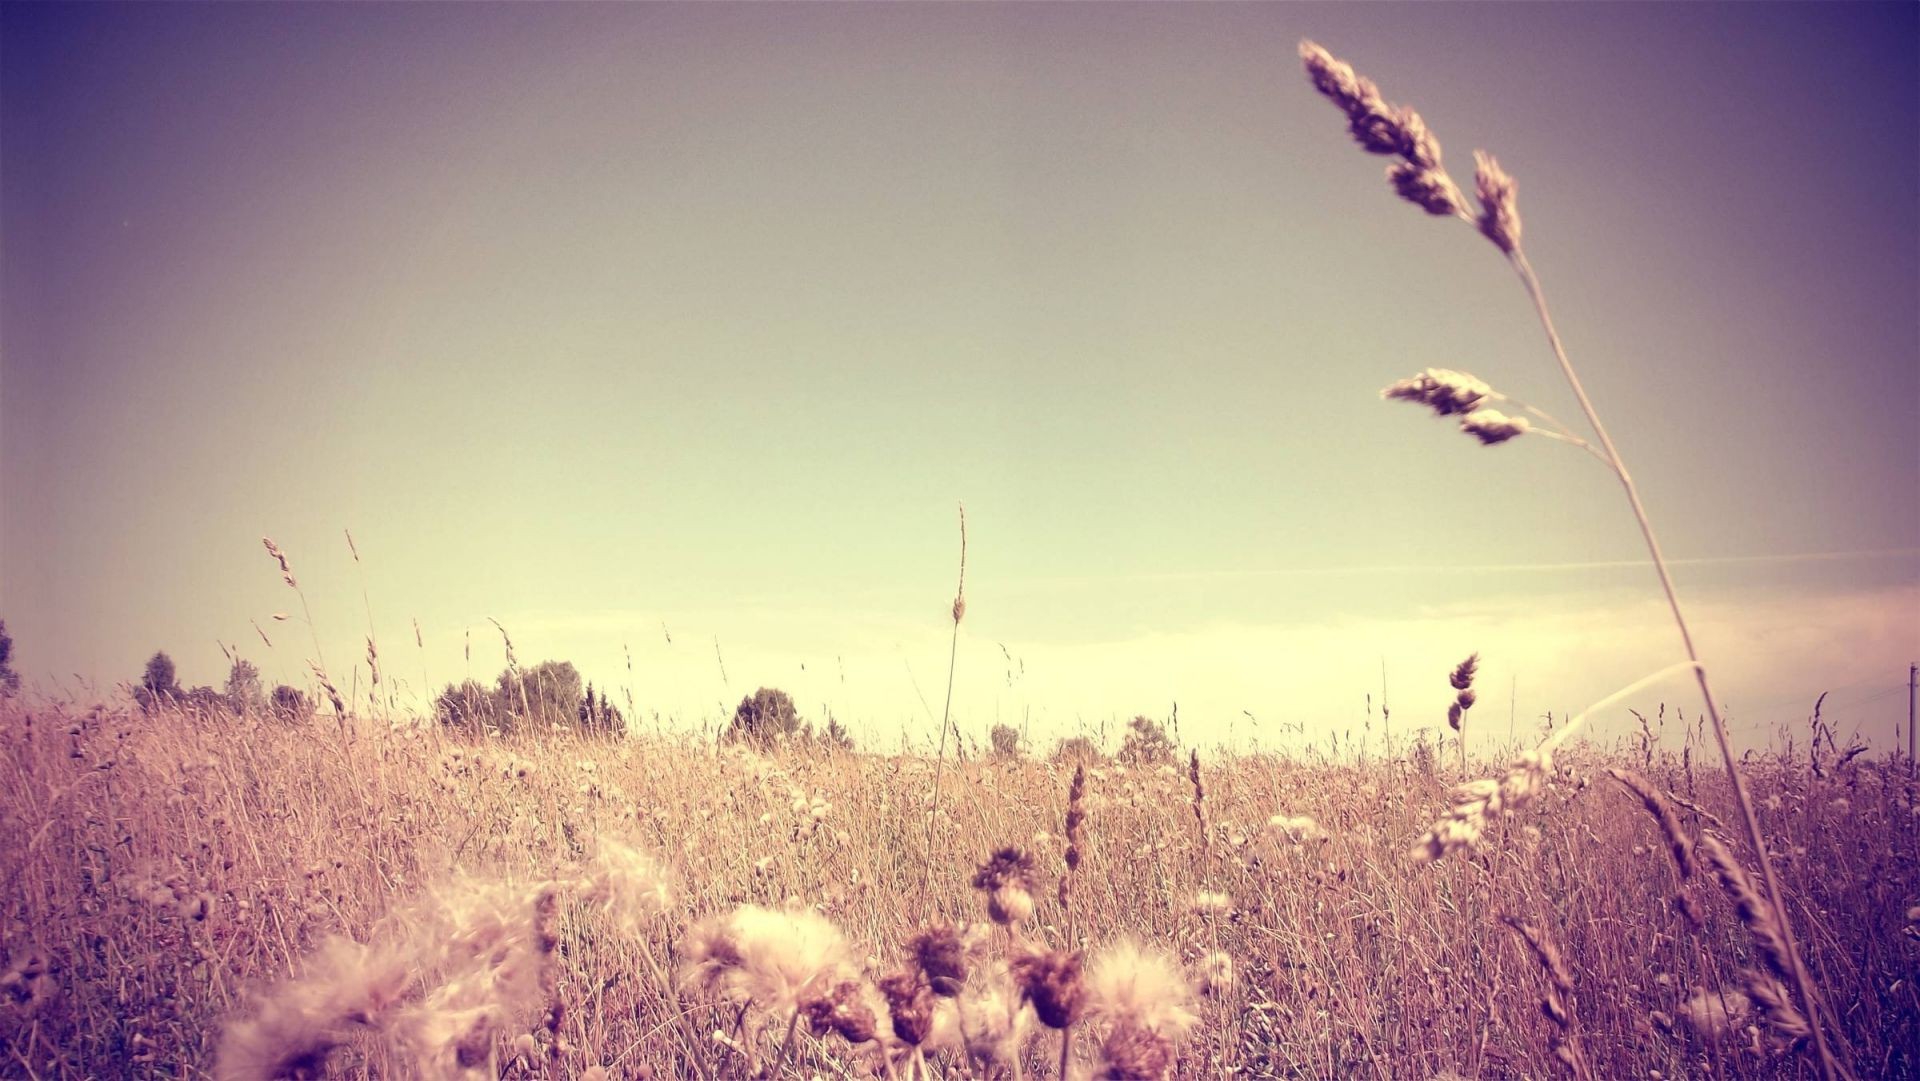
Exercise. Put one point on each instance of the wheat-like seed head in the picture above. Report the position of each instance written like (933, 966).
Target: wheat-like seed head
(1443, 390)
(1677, 841)
(1762, 922)
(1490, 426)
(1383, 128)
(280, 557)
(1499, 204)
(1478, 803)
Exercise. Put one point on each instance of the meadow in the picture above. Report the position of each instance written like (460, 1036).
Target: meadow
(193, 891)
(193, 894)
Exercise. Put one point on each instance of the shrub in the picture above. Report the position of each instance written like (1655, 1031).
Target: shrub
(159, 686)
(290, 704)
(764, 716)
(466, 705)
(243, 692)
(1077, 751)
(1146, 743)
(1005, 740)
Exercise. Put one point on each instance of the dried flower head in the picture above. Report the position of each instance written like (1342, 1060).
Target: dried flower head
(1210, 903)
(941, 956)
(844, 1010)
(910, 1004)
(1007, 880)
(1131, 984)
(628, 885)
(770, 958)
(1715, 1014)
(1051, 980)
(1296, 829)
(1213, 974)
(1477, 803)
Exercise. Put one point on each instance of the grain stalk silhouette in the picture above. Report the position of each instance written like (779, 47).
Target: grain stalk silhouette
(953, 653)
(1419, 177)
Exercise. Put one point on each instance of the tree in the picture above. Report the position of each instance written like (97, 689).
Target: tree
(466, 705)
(290, 704)
(547, 694)
(158, 686)
(1077, 751)
(202, 699)
(9, 679)
(1005, 739)
(764, 716)
(836, 735)
(1146, 743)
(599, 715)
(243, 688)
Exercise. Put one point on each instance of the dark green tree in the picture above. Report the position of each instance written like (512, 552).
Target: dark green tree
(1146, 743)
(244, 694)
(9, 679)
(766, 715)
(290, 704)
(597, 715)
(836, 735)
(1077, 751)
(466, 705)
(1005, 739)
(159, 686)
(547, 694)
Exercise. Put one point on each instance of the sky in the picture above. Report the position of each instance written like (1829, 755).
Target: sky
(673, 337)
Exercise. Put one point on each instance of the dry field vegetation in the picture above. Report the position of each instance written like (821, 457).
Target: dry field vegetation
(190, 894)
(193, 893)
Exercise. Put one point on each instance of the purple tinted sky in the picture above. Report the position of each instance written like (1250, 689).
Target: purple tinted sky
(592, 316)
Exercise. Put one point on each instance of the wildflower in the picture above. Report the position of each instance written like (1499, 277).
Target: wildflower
(941, 956)
(1142, 988)
(1051, 980)
(1007, 880)
(1210, 903)
(1299, 829)
(769, 958)
(1213, 974)
(1715, 1015)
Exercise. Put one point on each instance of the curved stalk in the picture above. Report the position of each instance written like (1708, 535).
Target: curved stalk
(1816, 1006)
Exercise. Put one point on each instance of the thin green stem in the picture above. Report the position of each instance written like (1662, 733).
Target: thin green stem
(940, 760)
(1816, 1006)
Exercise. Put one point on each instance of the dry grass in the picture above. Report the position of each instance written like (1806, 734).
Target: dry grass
(172, 878)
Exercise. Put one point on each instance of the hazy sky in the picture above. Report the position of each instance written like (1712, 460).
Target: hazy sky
(617, 323)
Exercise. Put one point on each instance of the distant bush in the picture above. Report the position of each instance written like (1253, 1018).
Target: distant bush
(9, 679)
(1146, 743)
(548, 694)
(1005, 740)
(159, 686)
(600, 716)
(243, 693)
(1077, 751)
(466, 705)
(765, 716)
(290, 704)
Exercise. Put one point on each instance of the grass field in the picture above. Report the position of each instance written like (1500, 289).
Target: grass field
(545, 907)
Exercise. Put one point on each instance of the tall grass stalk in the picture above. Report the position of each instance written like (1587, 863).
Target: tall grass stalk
(946, 711)
(1386, 129)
